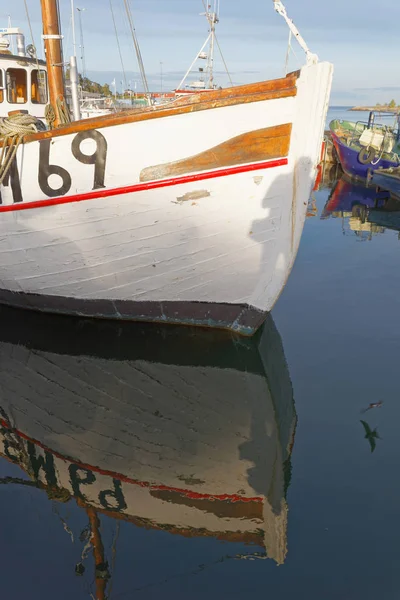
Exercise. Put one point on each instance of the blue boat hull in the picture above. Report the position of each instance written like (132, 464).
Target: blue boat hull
(351, 165)
(387, 182)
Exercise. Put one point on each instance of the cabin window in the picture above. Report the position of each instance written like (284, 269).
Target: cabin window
(39, 86)
(17, 86)
(1, 86)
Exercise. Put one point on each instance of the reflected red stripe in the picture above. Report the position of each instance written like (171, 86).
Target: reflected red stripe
(141, 187)
(143, 484)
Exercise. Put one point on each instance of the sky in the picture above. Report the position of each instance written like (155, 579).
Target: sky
(358, 37)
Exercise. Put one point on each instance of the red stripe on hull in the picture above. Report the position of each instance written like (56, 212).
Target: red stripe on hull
(141, 187)
(144, 484)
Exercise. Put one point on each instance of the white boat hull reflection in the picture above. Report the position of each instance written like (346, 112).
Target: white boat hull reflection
(168, 428)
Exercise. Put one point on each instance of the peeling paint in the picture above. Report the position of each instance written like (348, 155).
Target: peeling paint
(258, 179)
(195, 195)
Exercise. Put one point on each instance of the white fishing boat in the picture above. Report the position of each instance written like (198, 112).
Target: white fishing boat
(205, 81)
(96, 107)
(23, 77)
(190, 212)
(165, 427)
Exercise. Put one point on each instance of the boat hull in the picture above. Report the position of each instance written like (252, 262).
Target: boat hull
(200, 229)
(241, 318)
(350, 163)
(387, 182)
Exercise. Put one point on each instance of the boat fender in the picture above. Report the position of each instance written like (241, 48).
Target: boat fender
(366, 155)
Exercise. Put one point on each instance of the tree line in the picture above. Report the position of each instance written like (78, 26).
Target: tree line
(88, 85)
(95, 88)
(391, 104)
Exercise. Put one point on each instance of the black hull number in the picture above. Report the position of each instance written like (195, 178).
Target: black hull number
(46, 169)
(98, 159)
(13, 177)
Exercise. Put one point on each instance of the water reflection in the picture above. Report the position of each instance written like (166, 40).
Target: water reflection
(370, 434)
(327, 175)
(165, 428)
(364, 211)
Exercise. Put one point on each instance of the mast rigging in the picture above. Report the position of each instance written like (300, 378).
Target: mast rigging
(52, 40)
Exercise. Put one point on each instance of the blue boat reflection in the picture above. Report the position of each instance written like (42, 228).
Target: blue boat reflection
(364, 211)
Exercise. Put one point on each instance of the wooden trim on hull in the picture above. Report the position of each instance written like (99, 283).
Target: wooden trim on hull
(239, 318)
(255, 92)
(259, 145)
(249, 538)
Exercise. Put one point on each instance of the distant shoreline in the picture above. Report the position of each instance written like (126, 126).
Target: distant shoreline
(382, 108)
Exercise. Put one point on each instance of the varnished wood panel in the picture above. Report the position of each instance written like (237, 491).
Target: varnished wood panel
(250, 508)
(255, 146)
(273, 85)
(244, 94)
(250, 538)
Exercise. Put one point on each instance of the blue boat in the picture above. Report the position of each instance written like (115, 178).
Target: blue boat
(364, 147)
(389, 180)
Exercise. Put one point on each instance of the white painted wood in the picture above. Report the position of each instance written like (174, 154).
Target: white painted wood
(237, 243)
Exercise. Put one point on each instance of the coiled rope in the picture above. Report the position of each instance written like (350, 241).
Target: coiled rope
(13, 130)
(50, 116)
(64, 116)
(63, 111)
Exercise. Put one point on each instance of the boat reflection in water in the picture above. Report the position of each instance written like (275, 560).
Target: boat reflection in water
(165, 427)
(365, 211)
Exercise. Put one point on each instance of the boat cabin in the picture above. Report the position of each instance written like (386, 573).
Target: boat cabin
(23, 86)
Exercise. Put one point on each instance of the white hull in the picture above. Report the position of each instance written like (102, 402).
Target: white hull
(229, 238)
(181, 442)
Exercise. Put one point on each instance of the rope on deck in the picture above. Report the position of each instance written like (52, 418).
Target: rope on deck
(13, 130)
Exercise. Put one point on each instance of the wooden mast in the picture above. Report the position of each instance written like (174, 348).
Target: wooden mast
(52, 40)
(98, 552)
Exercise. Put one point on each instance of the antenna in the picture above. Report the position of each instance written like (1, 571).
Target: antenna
(73, 27)
(213, 19)
(80, 11)
(12, 39)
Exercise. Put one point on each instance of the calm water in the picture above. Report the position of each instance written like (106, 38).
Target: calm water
(143, 462)
(343, 113)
